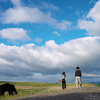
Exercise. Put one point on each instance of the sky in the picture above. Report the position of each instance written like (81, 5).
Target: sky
(40, 39)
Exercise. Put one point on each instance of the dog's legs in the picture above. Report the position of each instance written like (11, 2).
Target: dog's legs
(10, 93)
(3, 93)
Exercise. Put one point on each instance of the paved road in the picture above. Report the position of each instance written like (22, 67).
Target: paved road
(86, 93)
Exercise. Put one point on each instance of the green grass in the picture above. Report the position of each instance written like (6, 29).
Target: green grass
(98, 85)
(29, 88)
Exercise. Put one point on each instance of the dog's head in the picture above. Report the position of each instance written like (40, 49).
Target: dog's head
(14, 92)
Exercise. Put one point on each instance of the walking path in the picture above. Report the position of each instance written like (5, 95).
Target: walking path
(86, 93)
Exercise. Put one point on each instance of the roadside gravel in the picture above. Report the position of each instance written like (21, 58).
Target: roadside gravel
(86, 93)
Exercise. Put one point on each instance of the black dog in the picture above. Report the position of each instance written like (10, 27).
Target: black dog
(8, 87)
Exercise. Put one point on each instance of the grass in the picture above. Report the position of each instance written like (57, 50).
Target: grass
(98, 85)
(29, 88)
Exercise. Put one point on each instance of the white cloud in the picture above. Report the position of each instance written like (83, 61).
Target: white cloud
(44, 5)
(92, 1)
(14, 34)
(3, 61)
(16, 2)
(51, 59)
(56, 33)
(36, 77)
(20, 14)
(49, 6)
(91, 75)
(38, 40)
(92, 22)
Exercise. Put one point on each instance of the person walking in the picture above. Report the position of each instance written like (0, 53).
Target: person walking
(78, 77)
(63, 80)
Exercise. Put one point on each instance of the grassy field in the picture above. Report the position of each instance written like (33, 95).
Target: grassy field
(29, 88)
(98, 85)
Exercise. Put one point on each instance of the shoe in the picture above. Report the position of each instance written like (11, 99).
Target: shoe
(77, 87)
(80, 87)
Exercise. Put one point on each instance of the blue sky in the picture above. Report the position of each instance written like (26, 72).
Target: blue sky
(43, 38)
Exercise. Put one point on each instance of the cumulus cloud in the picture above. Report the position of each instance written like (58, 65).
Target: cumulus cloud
(31, 15)
(56, 33)
(16, 2)
(44, 5)
(49, 6)
(38, 40)
(51, 59)
(91, 75)
(36, 77)
(14, 34)
(92, 21)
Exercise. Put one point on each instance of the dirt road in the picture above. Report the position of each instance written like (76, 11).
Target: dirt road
(71, 93)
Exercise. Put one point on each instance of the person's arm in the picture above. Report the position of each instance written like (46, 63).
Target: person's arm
(80, 73)
(65, 79)
(75, 73)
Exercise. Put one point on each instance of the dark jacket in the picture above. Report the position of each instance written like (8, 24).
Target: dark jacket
(78, 73)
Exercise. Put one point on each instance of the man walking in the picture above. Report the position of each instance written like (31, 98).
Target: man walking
(78, 77)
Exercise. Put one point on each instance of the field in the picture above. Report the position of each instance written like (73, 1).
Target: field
(98, 85)
(30, 88)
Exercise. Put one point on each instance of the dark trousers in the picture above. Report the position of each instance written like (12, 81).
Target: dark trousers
(63, 84)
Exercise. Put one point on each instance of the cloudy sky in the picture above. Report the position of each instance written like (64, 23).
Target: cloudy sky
(39, 39)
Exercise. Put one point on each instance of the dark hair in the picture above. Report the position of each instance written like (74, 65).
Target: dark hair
(63, 73)
(77, 67)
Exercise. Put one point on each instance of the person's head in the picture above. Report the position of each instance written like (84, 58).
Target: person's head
(77, 67)
(63, 73)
